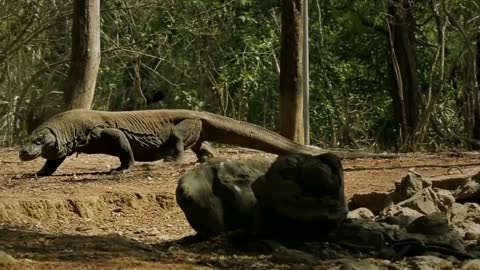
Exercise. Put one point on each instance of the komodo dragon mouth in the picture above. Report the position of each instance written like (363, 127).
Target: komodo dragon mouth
(37, 144)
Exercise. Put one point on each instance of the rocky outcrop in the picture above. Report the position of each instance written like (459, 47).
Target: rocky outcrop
(216, 196)
(300, 196)
(296, 194)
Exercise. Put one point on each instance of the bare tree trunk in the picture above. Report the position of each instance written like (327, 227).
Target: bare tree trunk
(476, 118)
(403, 66)
(85, 59)
(291, 80)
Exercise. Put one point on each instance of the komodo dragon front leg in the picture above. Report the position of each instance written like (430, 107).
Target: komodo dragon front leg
(50, 166)
(185, 135)
(113, 142)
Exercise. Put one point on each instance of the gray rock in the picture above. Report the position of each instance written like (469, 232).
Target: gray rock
(358, 265)
(469, 191)
(410, 185)
(401, 221)
(471, 265)
(458, 212)
(429, 263)
(398, 211)
(362, 213)
(471, 236)
(450, 183)
(216, 196)
(433, 224)
(465, 220)
(301, 196)
(6, 259)
(392, 241)
(425, 201)
(416, 244)
(446, 198)
(286, 255)
(468, 229)
(362, 235)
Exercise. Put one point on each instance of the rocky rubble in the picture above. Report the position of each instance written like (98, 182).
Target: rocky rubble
(416, 197)
(417, 226)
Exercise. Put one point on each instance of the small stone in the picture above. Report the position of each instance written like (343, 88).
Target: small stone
(470, 236)
(402, 221)
(429, 263)
(396, 210)
(82, 229)
(6, 259)
(139, 231)
(361, 213)
(425, 201)
(471, 265)
(469, 191)
(433, 224)
(410, 185)
(445, 197)
(154, 232)
(357, 265)
(286, 255)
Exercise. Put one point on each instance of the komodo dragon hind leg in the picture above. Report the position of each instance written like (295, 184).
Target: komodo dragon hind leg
(114, 142)
(203, 150)
(174, 147)
(189, 131)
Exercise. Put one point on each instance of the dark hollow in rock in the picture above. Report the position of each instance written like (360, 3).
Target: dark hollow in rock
(375, 201)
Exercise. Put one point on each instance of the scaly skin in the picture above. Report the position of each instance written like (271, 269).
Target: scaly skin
(151, 135)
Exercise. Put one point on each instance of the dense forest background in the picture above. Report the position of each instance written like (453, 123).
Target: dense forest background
(383, 73)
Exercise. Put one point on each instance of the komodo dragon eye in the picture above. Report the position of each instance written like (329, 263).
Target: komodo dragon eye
(38, 141)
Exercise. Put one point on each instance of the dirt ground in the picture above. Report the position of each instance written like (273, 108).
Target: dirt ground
(83, 218)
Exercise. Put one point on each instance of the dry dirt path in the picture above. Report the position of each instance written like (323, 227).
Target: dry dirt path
(82, 219)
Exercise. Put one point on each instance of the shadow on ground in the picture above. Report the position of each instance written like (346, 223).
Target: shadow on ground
(101, 248)
(41, 246)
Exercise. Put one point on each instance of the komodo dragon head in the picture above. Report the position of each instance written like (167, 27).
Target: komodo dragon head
(42, 142)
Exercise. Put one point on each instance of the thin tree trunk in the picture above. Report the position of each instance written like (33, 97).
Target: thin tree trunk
(291, 80)
(476, 120)
(403, 66)
(80, 86)
(140, 101)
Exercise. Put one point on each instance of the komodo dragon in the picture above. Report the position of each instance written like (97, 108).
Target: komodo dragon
(150, 135)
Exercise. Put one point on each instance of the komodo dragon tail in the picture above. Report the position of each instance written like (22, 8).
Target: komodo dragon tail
(229, 131)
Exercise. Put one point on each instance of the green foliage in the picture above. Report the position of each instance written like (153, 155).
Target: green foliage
(349, 79)
(222, 56)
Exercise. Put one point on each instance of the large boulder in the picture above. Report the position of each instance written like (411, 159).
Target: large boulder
(300, 196)
(216, 196)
